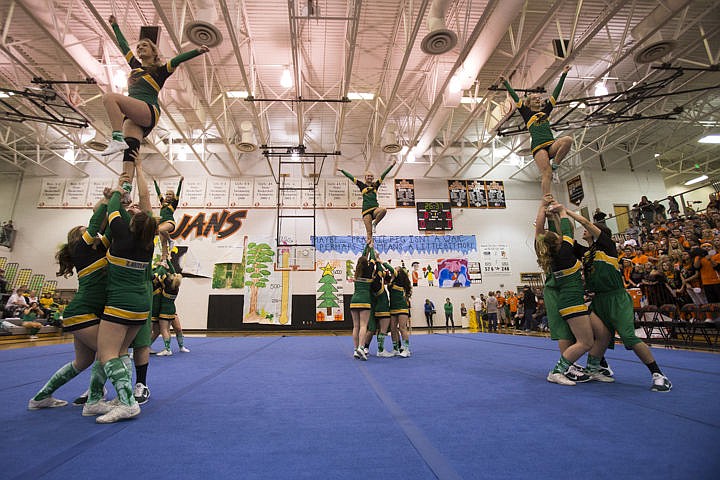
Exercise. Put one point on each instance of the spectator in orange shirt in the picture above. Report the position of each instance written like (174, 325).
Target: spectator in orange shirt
(512, 301)
(703, 261)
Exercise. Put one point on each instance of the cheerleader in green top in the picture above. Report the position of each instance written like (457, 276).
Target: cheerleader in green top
(556, 256)
(372, 212)
(400, 293)
(360, 304)
(128, 298)
(536, 114)
(170, 289)
(168, 204)
(383, 277)
(611, 303)
(134, 116)
(85, 253)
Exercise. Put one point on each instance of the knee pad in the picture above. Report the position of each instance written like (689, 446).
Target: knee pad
(132, 151)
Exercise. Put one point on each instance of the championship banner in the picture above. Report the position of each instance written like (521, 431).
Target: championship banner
(265, 194)
(386, 195)
(496, 194)
(457, 190)
(217, 192)
(354, 196)
(75, 192)
(192, 194)
(95, 189)
(336, 193)
(315, 195)
(405, 192)
(575, 190)
(290, 192)
(477, 196)
(241, 192)
(51, 192)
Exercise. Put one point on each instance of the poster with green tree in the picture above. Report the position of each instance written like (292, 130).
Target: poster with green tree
(258, 260)
(329, 293)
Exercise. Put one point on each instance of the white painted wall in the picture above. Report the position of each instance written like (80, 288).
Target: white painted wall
(40, 231)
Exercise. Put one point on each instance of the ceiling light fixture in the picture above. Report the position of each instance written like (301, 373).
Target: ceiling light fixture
(697, 180)
(455, 86)
(286, 80)
(713, 138)
(69, 156)
(471, 99)
(360, 96)
(237, 94)
(600, 90)
(6, 94)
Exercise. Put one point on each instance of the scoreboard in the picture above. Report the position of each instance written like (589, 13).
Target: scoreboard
(434, 216)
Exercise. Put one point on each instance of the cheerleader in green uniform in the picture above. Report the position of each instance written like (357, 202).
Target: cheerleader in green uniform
(134, 116)
(128, 298)
(556, 257)
(536, 114)
(360, 305)
(170, 288)
(383, 278)
(400, 293)
(372, 213)
(85, 253)
(611, 303)
(168, 204)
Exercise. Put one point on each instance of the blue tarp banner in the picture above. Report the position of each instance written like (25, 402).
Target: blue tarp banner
(407, 244)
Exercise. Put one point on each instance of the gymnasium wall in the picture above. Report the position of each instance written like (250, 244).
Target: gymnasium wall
(40, 231)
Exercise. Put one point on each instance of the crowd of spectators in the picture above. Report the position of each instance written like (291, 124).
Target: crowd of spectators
(672, 258)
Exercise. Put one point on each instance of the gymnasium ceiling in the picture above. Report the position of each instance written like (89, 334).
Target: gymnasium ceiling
(336, 48)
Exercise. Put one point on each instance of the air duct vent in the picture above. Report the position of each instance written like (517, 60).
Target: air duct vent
(203, 33)
(98, 143)
(247, 142)
(655, 51)
(439, 42)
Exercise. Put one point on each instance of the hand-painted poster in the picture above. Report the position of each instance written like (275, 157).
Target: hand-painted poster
(405, 192)
(496, 194)
(457, 190)
(75, 192)
(477, 195)
(495, 257)
(329, 295)
(262, 284)
(336, 192)
(217, 192)
(241, 192)
(453, 272)
(51, 192)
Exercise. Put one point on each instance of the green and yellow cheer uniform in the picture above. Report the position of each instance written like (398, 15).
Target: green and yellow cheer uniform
(159, 274)
(538, 123)
(612, 303)
(369, 192)
(90, 263)
(167, 207)
(167, 300)
(129, 287)
(564, 290)
(145, 82)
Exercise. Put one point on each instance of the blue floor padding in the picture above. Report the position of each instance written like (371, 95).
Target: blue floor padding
(464, 406)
